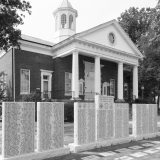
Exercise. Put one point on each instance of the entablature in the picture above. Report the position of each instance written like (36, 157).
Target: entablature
(93, 49)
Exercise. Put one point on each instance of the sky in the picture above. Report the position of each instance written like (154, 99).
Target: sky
(40, 23)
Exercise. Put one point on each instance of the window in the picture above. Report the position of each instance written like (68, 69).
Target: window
(68, 83)
(112, 87)
(25, 81)
(63, 21)
(112, 38)
(46, 84)
(71, 22)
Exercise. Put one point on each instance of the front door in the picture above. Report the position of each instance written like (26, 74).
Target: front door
(89, 81)
(45, 89)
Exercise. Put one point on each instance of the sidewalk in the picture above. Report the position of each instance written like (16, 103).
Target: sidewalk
(143, 150)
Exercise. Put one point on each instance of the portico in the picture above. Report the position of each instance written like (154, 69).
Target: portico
(97, 77)
(117, 49)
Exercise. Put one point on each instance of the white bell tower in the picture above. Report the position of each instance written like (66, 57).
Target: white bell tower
(65, 21)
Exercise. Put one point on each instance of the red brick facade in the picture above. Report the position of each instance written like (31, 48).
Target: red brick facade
(36, 61)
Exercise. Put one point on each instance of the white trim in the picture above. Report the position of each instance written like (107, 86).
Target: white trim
(92, 50)
(115, 23)
(112, 44)
(36, 40)
(46, 73)
(105, 84)
(81, 81)
(119, 28)
(20, 81)
(37, 48)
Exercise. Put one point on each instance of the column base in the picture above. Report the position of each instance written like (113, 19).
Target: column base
(120, 101)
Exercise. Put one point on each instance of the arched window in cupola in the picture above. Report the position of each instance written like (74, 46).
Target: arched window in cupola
(71, 22)
(63, 21)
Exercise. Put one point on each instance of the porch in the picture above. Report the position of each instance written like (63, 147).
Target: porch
(92, 82)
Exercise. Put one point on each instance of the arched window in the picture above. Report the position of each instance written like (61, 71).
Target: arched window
(63, 20)
(56, 24)
(71, 22)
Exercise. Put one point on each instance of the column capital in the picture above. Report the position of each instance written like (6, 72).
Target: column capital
(135, 66)
(120, 63)
(97, 57)
(75, 51)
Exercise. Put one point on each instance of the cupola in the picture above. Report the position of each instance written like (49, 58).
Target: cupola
(65, 21)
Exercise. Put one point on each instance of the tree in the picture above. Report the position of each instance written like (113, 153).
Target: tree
(135, 22)
(143, 27)
(1, 86)
(11, 15)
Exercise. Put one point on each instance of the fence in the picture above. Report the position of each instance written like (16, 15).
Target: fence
(18, 130)
(103, 123)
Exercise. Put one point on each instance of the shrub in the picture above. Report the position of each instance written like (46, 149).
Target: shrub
(69, 111)
(144, 101)
(32, 97)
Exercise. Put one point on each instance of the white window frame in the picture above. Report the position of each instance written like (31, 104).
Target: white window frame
(68, 94)
(81, 82)
(21, 92)
(114, 87)
(49, 74)
(105, 84)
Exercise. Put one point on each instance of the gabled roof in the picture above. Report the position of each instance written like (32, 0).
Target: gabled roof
(36, 40)
(120, 30)
(66, 4)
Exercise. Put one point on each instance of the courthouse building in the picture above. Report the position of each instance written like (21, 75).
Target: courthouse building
(101, 60)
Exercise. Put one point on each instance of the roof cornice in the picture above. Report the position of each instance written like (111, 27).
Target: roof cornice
(119, 28)
(93, 44)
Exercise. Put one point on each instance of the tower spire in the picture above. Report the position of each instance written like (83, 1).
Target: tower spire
(66, 4)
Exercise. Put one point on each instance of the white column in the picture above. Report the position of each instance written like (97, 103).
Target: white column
(75, 75)
(97, 75)
(135, 81)
(120, 80)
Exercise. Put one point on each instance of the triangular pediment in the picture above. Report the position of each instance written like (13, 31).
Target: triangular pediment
(102, 35)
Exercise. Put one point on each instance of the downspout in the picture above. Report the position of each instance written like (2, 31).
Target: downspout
(13, 51)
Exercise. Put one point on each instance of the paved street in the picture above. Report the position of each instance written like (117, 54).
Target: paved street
(143, 150)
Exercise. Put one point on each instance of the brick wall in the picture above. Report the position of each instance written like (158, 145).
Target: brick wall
(62, 65)
(6, 65)
(34, 62)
